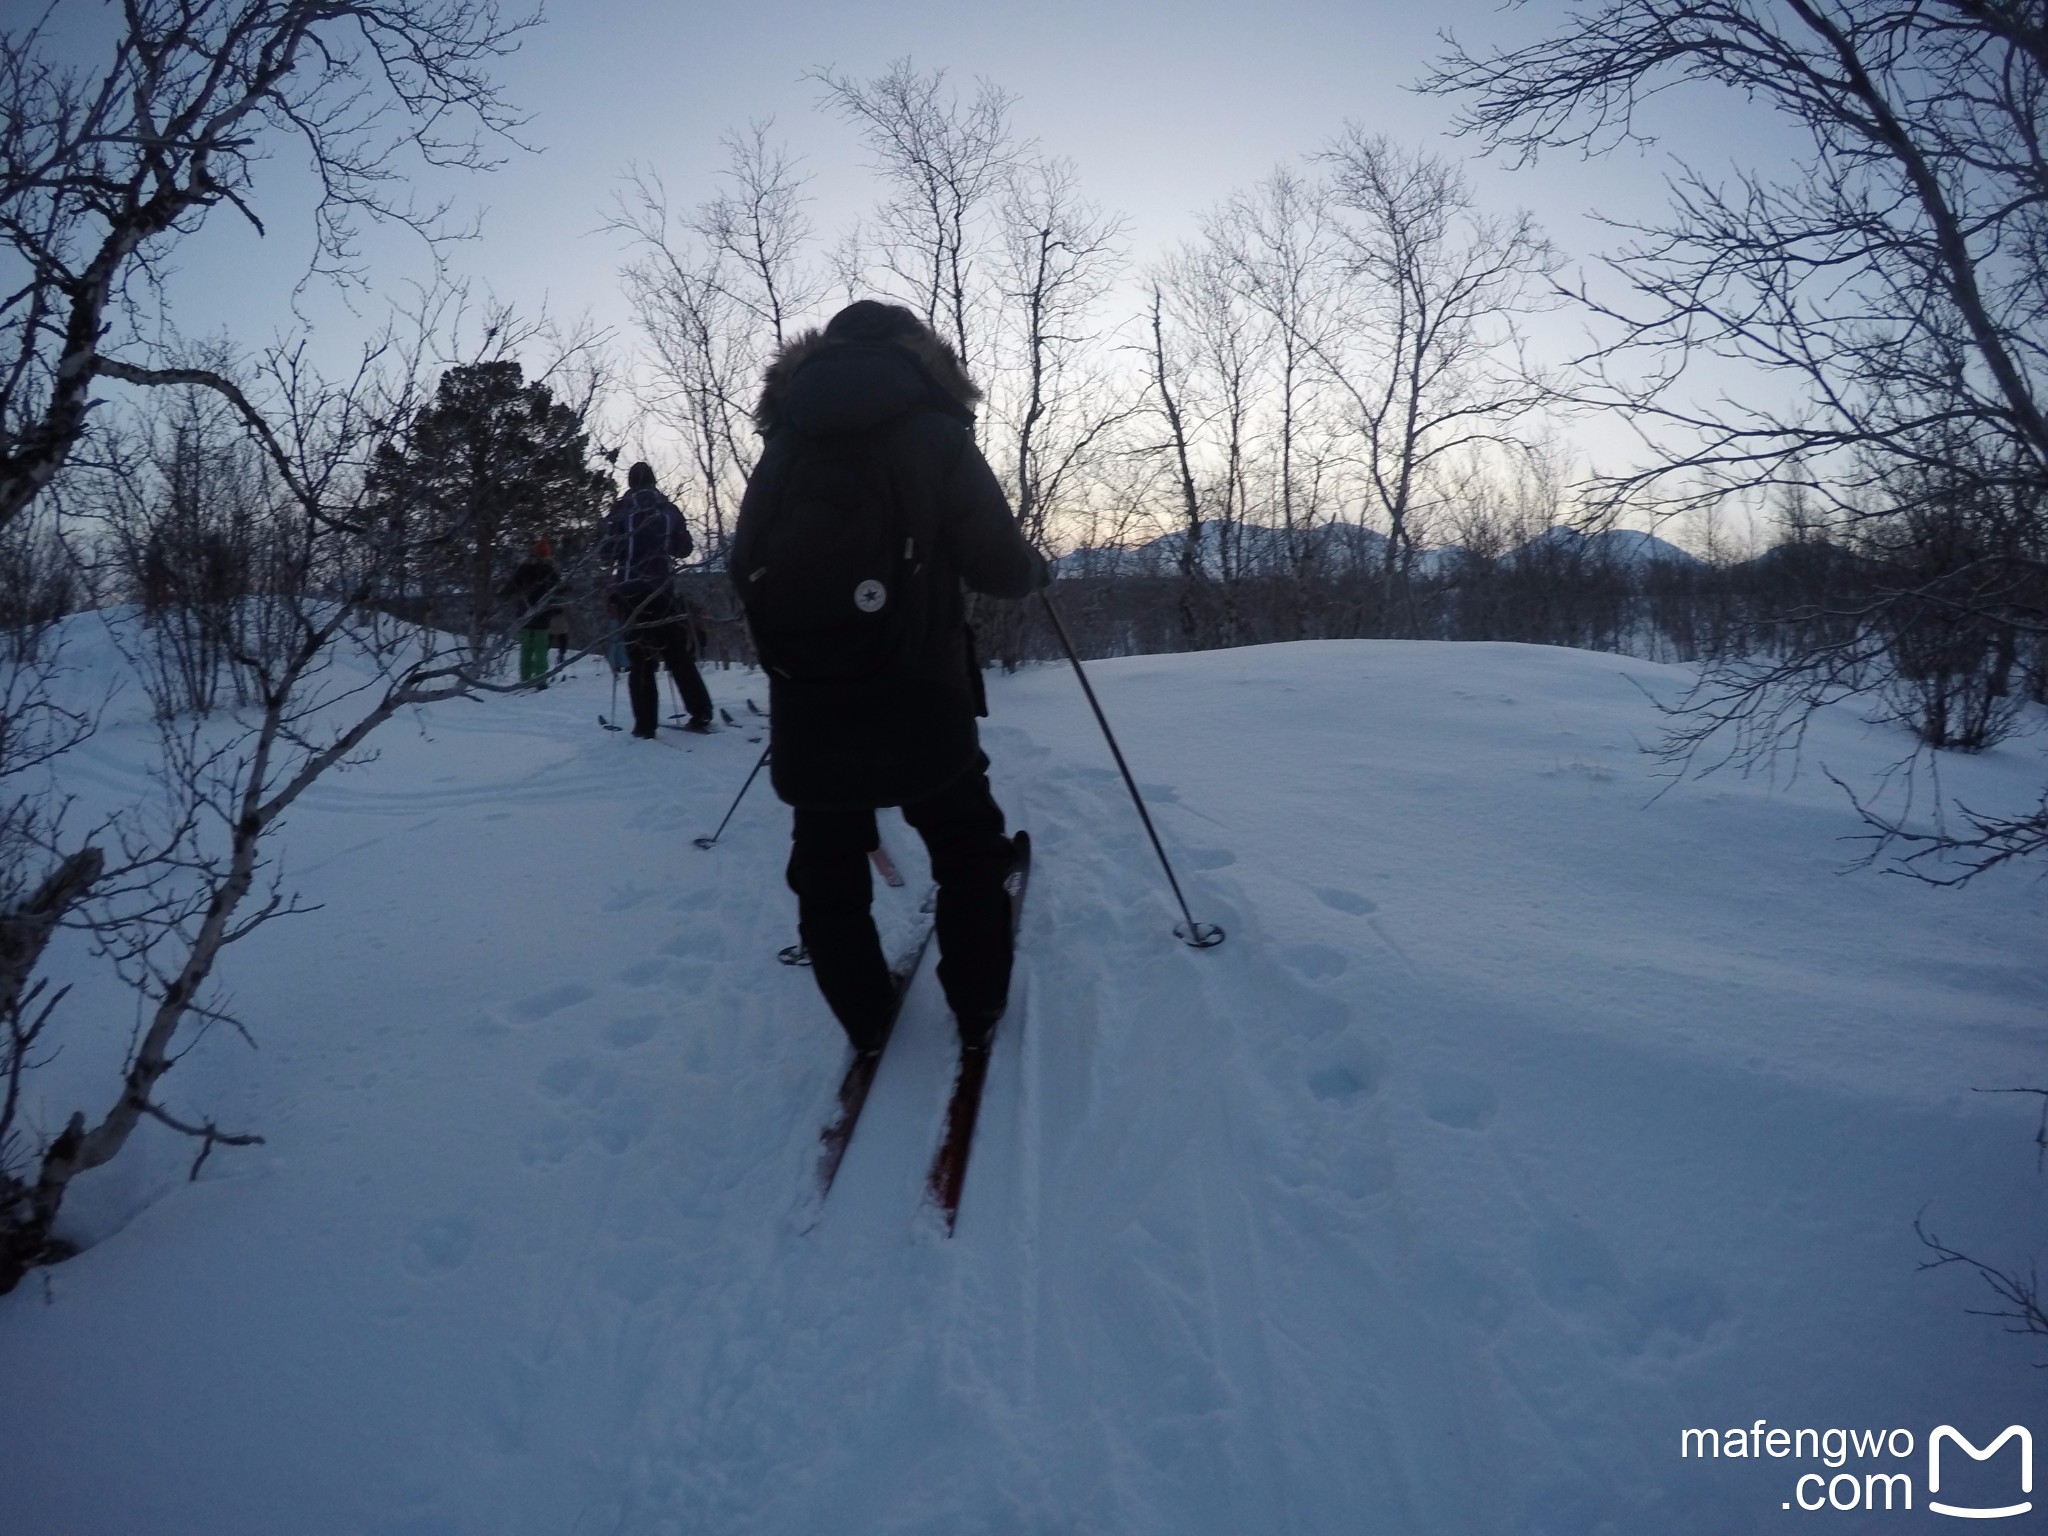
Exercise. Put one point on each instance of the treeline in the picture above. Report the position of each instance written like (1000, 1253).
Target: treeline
(191, 522)
(1940, 668)
(1317, 418)
(1338, 345)
(1321, 415)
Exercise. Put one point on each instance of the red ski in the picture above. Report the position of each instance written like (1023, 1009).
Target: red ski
(949, 1167)
(884, 865)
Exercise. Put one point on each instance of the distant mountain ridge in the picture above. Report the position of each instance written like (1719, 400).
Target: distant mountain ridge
(1619, 546)
(1254, 549)
(1251, 548)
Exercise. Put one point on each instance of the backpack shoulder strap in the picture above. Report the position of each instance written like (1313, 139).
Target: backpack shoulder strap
(636, 519)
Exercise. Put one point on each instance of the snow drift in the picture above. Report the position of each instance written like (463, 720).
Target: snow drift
(1529, 1118)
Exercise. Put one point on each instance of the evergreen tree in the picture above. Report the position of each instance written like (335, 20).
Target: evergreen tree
(492, 464)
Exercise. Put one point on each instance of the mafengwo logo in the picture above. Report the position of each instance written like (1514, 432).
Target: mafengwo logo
(1948, 1434)
(1871, 1470)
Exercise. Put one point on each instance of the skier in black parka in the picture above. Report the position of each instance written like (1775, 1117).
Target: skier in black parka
(877, 374)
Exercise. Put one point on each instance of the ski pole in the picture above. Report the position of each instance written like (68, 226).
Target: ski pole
(1197, 935)
(611, 657)
(706, 842)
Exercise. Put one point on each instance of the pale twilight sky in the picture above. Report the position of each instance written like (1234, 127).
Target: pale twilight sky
(1166, 108)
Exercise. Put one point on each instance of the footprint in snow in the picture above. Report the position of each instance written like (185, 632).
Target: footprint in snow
(1577, 1272)
(562, 1078)
(549, 1143)
(1347, 901)
(1211, 858)
(438, 1246)
(695, 943)
(631, 1030)
(644, 973)
(622, 1124)
(1318, 962)
(1685, 1306)
(1316, 1015)
(1666, 1311)
(637, 1272)
(1594, 772)
(1454, 1099)
(543, 1005)
(1339, 1084)
(616, 1126)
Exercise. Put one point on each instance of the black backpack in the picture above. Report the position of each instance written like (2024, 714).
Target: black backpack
(644, 564)
(838, 589)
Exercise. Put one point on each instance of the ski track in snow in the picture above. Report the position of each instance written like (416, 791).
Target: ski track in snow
(1523, 1120)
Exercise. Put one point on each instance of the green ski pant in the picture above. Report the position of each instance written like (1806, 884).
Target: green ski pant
(533, 654)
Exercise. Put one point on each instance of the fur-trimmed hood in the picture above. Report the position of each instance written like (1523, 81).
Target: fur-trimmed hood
(821, 384)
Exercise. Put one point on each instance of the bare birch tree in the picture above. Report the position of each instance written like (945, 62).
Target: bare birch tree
(1885, 285)
(103, 171)
(1169, 393)
(319, 663)
(707, 350)
(759, 224)
(1059, 256)
(1230, 355)
(946, 164)
(717, 289)
(1277, 242)
(1429, 355)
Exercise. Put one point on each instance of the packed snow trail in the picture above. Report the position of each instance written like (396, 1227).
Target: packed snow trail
(1526, 1120)
(844, 1120)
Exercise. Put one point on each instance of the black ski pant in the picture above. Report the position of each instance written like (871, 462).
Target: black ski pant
(962, 828)
(658, 634)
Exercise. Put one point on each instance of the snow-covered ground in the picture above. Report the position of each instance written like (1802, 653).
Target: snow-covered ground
(1526, 1120)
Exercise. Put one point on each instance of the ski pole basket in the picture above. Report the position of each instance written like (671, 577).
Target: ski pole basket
(1191, 933)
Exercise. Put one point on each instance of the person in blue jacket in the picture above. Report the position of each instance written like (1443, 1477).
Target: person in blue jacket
(643, 539)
